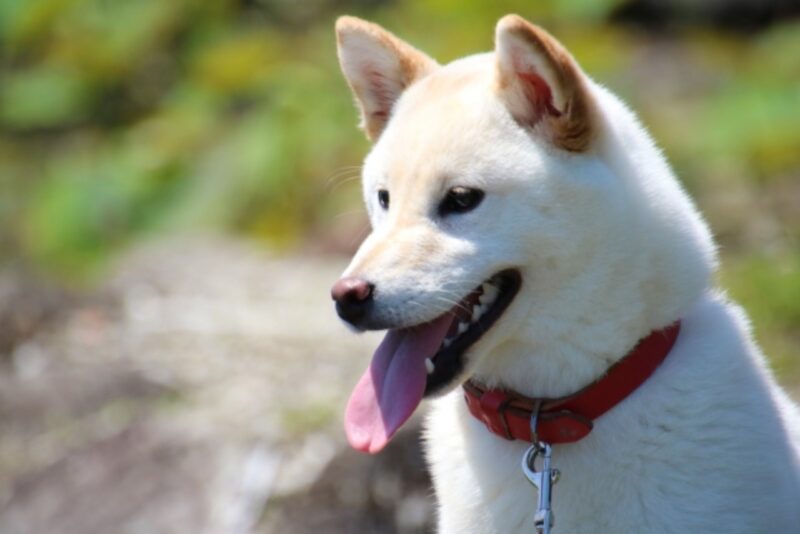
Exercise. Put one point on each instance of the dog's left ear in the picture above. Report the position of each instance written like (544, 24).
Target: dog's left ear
(379, 67)
(542, 84)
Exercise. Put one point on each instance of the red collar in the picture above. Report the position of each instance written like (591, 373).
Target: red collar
(567, 419)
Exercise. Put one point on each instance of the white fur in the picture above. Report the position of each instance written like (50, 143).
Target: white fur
(610, 247)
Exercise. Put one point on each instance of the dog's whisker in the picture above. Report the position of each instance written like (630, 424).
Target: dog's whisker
(454, 304)
(340, 182)
(343, 171)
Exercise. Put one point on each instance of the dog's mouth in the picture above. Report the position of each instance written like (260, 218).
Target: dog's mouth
(422, 360)
(473, 317)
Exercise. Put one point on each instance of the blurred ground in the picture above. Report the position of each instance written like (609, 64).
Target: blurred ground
(198, 390)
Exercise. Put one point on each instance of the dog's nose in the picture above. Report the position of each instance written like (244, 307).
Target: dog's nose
(352, 296)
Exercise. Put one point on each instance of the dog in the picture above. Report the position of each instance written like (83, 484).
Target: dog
(528, 238)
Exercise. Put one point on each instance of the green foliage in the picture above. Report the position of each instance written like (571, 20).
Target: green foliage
(748, 113)
(43, 96)
(128, 117)
(769, 289)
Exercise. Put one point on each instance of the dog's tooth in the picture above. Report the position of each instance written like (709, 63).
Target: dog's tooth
(477, 311)
(462, 327)
(447, 342)
(429, 366)
(489, 294)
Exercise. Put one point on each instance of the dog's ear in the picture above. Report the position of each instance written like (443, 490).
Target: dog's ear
(542, 84)
(378, 67)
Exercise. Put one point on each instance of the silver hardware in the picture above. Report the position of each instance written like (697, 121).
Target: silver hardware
(543, 479)
(534, 422)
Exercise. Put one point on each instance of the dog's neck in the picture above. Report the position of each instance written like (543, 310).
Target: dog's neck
(552, 354)
(580, 322)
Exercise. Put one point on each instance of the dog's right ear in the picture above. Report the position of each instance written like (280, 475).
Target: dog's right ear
(378, 67)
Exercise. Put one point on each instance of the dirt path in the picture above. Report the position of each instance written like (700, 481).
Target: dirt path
(200, 389)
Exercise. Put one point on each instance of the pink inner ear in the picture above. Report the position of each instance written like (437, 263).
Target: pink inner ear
(380, 93)
(539, 95)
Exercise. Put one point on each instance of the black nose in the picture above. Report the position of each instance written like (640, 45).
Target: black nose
(353, 296)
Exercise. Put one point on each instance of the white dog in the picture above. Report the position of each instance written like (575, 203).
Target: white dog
(527, 237)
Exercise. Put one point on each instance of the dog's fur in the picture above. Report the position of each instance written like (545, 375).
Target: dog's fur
(610, 248)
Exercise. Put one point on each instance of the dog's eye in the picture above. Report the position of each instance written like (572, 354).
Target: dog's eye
(383, 198)
(460, 200)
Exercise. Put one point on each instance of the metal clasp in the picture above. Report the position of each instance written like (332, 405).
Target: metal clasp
(543, 479)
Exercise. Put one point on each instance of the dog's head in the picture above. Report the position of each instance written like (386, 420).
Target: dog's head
(489, 181)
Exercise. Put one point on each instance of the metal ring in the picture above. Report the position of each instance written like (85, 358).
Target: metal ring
(535, 422)
(529, 463)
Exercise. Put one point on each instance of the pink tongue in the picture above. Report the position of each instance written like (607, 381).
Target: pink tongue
(392, 387)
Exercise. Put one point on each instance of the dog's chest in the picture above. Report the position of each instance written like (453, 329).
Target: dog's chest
(481, 488)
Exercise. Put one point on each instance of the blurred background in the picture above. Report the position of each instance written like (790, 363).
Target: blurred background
(179, 189)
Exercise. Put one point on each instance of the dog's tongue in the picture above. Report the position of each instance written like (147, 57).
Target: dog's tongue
(393, 385)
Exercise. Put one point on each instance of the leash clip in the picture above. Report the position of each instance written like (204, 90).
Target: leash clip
(543, 479)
